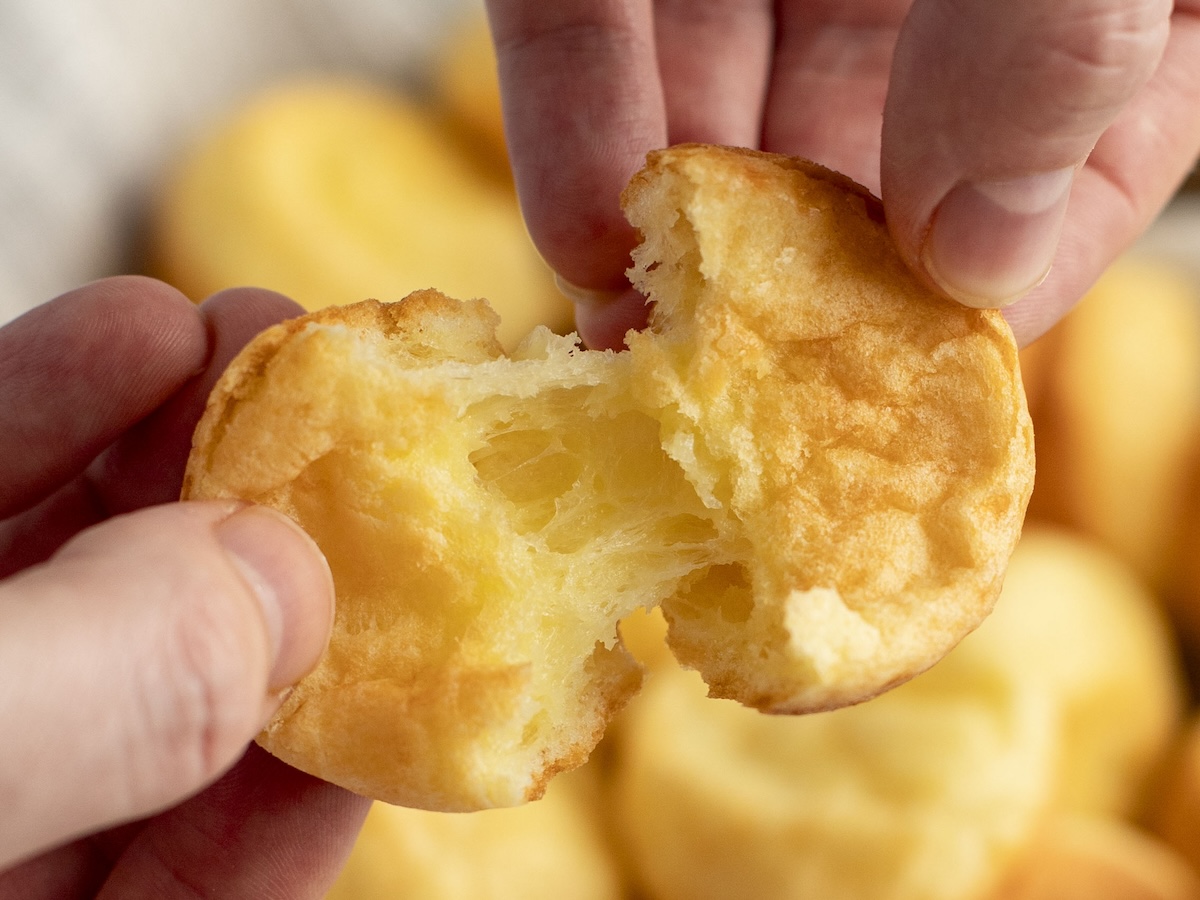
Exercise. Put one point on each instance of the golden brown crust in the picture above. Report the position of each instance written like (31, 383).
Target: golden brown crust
(426, 324)
(817, 469)
(891, 457)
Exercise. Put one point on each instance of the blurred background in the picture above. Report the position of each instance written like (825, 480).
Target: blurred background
(99, 99)
(338, 150)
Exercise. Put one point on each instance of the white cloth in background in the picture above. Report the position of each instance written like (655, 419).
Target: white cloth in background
(97, 96)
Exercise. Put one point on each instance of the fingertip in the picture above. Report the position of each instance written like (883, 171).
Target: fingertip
(291, 581)
(1040, 310)
(250, 307)
(991, 242)
(78, 371)
(983, 139)
(150, 331)
(130, 291)
(583, 104)
(235, 316)
(165, 325)
(145, 655)
(604, 317)
(145, 466)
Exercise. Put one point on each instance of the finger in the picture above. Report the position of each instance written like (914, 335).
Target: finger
(74, 871)
(603, 318)
(78, 371)
(145, 465)
(829, 80)
(993, 108)
(264, 830)
(1117, 194)
(582, 107)
(143, 657)
(713, 57)
(32, 536)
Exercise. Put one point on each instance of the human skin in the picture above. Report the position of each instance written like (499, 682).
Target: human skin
(1018, 147)
(144, 642)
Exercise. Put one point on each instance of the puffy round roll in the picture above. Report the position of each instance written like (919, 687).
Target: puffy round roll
(1116, 403)
(1174, 812)
(1078, 623)
(1062, 704)
(331, 190)
(550, 850)
(930, 792)
(817, 469)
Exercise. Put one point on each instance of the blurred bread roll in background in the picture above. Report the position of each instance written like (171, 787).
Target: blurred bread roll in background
(332, 191)
(1175, 808)
(1078, 857)
(1114, 390)
(467, 88)
(929, 791)
(940, 788)
(550, 850)
(1077, 621)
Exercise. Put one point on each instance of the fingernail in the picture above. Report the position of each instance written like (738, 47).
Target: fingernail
(990, 242)
(290, 579)
(586, 297)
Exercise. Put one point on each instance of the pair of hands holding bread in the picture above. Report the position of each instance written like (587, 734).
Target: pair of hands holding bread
(129, 754)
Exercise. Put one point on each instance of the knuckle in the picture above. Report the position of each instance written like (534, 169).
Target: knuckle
(1108, 49)
(1051, 75)
(571, 38)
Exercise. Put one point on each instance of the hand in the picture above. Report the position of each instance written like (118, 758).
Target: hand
(975, 120)
(140, 652)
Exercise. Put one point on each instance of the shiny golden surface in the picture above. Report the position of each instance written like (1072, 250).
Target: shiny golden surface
(816, 467)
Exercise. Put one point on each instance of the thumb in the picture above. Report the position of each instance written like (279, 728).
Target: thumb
(137, 664)
(992, 109)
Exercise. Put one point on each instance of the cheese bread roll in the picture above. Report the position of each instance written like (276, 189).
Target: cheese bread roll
(1117, 411)
(550, 850)
(330, 191)
(816, 467)
(1084, 858)
(930, 792)
(1075, 619)
(1174, 812)
(1058, 708)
